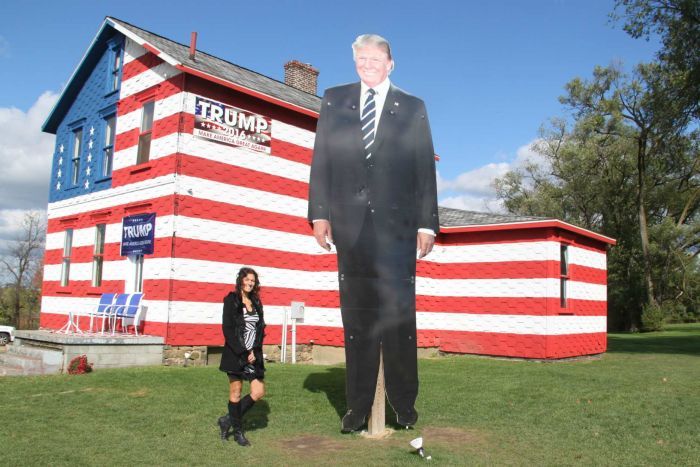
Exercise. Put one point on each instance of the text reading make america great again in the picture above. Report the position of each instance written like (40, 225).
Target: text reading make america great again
(225, 124)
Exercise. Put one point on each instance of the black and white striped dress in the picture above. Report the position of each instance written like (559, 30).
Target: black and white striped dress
(249, 335)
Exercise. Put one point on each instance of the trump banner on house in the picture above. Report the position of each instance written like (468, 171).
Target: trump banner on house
(225, 124)
(138, 234)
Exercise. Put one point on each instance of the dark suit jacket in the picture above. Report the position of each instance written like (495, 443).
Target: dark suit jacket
(397, 182)
(235, 356)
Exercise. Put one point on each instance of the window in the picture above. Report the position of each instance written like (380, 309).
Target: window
(133, 279)
(65, 264)
(563, 274)
(115, 68)
(144, 151)
(138, 273)
(98, 255)
(75, 157)
(108, 151)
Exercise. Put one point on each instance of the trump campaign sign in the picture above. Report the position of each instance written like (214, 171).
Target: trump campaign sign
(138, 233)
(229, 125)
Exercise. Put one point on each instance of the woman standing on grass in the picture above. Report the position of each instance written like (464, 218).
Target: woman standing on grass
(242, 358)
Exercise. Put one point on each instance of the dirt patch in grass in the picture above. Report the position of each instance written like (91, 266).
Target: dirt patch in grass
(308, 447)
(453, 439)
(451, 435)
(143, 392)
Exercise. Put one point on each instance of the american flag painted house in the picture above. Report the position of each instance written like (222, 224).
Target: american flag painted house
(219, 156)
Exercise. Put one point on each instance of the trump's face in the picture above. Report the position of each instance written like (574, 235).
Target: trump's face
(372, 65)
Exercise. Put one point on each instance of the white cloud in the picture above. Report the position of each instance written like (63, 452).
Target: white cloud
(477, 181)
(526, 153)
(25, 164)
(474, 190)
(25, 155)
(472, 203)
(11, 223)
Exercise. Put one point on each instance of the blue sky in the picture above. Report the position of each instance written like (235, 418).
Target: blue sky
(489, 71)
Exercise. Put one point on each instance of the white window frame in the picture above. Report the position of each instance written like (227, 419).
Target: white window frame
(134, 278)
(65, 262)
(98, 254)
(116, 68)
(146, 132)
(75, 156)
(108, 149)
(563, 275)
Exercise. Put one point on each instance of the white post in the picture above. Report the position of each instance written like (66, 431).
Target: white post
(294, 340)
(283, 350)
(297, 313)
(375, 426)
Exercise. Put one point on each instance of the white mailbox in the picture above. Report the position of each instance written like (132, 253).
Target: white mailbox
(297, 311)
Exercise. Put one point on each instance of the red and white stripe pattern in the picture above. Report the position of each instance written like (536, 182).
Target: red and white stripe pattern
(221, 207)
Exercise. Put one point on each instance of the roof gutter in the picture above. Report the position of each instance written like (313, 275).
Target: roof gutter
(529, 225)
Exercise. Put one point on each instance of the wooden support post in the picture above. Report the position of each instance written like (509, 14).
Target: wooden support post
(375, 426)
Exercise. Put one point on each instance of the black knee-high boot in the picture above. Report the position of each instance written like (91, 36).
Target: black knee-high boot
(246, 403)
(224, 425)
(234, 412)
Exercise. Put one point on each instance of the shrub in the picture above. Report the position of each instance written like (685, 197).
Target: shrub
(652, 317)
(79, 365)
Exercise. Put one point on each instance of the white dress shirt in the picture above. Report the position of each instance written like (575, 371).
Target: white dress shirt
(381, 90)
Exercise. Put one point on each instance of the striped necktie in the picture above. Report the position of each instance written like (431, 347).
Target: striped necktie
(367, 120)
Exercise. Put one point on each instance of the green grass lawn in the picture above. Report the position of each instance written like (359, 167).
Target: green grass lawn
(637, 405)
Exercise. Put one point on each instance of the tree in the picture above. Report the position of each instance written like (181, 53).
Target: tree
(656, 125)
(627, 167)
(21, 261)
(677, 22)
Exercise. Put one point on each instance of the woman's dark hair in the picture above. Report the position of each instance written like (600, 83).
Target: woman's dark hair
(239, 281)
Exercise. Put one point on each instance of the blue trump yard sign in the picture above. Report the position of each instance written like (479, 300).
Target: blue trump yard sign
(138, 234)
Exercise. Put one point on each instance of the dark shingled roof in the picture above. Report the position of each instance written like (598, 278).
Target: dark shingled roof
(225, 70)
(450, 217)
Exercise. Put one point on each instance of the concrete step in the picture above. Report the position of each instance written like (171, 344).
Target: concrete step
(31, 360)
(51, 356)
(21, 361)
(10, 371)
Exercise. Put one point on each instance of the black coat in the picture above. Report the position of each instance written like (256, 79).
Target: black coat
(235, 356)
(375, 207)
(397, 183)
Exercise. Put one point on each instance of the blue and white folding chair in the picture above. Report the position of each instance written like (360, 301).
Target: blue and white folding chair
(132, 310)
(120, 302)
(102, 310)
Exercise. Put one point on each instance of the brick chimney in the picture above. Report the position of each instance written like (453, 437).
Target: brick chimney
(301, 76)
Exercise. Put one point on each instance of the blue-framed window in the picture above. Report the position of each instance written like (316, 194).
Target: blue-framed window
(116, 62)
(76, 149)
(110, 126)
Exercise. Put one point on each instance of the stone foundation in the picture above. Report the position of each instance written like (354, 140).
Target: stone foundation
(185, 355)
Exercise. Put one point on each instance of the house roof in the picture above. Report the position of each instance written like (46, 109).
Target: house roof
(178, 55)
(215, 67)
(450, 217)
(459, 221)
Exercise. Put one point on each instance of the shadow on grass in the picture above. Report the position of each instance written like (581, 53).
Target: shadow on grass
(332, 382)
(682, 340)
(258, 416)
